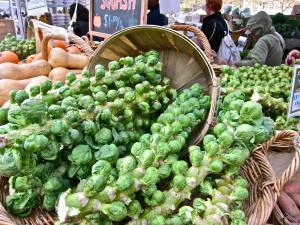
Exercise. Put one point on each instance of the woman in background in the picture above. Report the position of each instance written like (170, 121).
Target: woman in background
(269, 46)
(214, 26)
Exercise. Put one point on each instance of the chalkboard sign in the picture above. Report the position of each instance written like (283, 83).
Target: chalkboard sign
(110, 16)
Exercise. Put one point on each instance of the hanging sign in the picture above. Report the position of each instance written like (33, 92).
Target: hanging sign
(294, 104)
(36, 7)
(110, 16)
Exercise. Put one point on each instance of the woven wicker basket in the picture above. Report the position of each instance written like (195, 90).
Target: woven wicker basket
(184, 62)
(284, 141)
(43, 32)
(86, 49)
(207, 49)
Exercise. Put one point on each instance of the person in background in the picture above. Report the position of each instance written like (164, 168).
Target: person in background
(81, 26)
(269, 46)
(154, 17)
(214, 26)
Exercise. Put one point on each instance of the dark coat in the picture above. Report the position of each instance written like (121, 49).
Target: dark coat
(154, 17)
(215, 28)
(81, 26)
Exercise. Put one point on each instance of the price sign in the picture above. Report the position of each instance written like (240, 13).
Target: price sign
(110, 16)
(294, 104)
(36, 7)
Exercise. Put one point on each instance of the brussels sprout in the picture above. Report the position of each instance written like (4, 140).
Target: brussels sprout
(24, 183)
(21, 96)
(35, 142)
(134, 209)
(238, 222)
(81, 154)
(68, 102)
(251, 113)
(140, 58)
(146, 139)
(140, 67)
(175, 146)
(126, 164)
(59, 126)
(147, 158)
(94, 185)
(212, 148)
(158, 220)
(51, 151)
(33, 110)
(164, 171)
(245, 132)
(22, 203)
(151, 176)
(101, 167)
(137, 149)
(46, 85)
(3, 115)
(124, 182)
(196, 157)
(162, 150)
(179, 167)
(239, 193)
(171, 159)
(104, 136)
(87, 102)
(206, 188)
(187, 214)
(34, 90)
(240, 181)
(219, 128)
(215, 166)
(205, 102)
(113, 65)
(110, 153)
(70, 78)
(12, 95)
(226, 139)
(116, 211)
(55, 111)
(231, 159)
(237, 214)
(179, 182)
(236, 105)
(174, 220)
(199, 205)
(49, 202)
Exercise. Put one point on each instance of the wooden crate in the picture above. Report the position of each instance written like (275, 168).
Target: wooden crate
(6, 26)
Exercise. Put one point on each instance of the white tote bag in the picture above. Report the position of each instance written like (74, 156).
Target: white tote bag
(228, 49)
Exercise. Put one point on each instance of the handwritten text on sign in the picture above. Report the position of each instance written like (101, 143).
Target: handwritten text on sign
(110, 16)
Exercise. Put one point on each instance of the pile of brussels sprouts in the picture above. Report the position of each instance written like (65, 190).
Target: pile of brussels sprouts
(99, 150)
(270, 86)
(23, 48)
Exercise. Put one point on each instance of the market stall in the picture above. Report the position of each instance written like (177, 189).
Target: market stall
(144, 129)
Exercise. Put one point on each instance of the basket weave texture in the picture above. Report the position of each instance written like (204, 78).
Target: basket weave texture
(284, 141)
(44, 32)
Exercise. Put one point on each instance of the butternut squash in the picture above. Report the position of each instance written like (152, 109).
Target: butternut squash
(35, 81)
(24, 71)
(61, 58)
(60, 73)
(7, 85)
